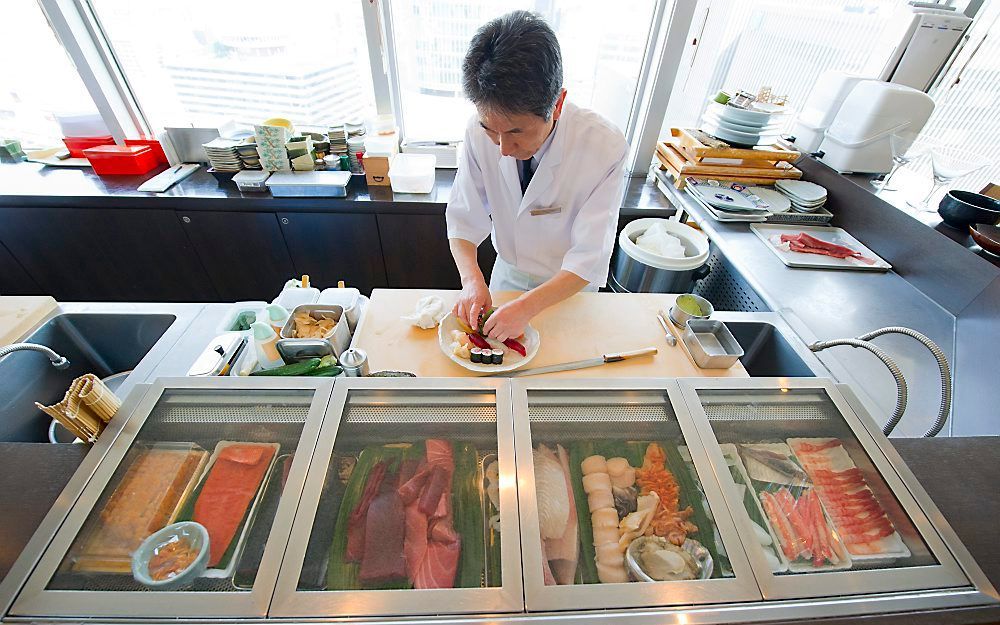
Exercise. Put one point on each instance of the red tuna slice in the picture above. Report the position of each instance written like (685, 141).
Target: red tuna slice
(433, 490)
(384, 534)
(413, 486)
(407, 469)
(356, 521)
(227, 493)
(439, 566)
(439, 453)
(415, 544)
(441, 531)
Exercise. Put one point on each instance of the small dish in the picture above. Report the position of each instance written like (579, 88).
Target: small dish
(987, 236)
(511, 360)
(701, 555)
(196, 537)
(960, 209)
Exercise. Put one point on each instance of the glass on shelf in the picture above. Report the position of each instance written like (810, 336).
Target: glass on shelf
(948, 165)
(219, 458)
(815, 500)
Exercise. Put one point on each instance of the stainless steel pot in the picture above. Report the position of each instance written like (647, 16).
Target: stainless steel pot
(631, 275)
(636, 270)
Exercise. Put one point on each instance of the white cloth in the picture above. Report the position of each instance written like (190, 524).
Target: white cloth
(428, 312)
(506, 277)
(568, 216)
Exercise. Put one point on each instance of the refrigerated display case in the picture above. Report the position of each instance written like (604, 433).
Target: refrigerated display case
(428, 467)
(229, 454)
(488, 501)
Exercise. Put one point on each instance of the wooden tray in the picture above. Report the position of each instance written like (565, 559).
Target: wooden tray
(699, 145)
(671, 153)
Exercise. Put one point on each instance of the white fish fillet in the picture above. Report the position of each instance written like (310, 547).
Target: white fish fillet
(550, 493)
(563, 552)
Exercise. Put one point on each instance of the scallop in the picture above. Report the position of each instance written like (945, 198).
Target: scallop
(596, 481)
(626, 479)
(600, 499)
(611, 573)
(617, 466)
(594, 464)
(607, 535)
(605, 517)
(607, 553)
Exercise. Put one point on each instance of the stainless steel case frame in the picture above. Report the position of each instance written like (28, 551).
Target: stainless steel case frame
(35, 600)
(408, 394)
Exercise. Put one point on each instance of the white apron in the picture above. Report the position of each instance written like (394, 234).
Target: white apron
(506, 277)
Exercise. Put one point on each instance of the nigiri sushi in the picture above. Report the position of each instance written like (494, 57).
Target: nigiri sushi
(550, 493)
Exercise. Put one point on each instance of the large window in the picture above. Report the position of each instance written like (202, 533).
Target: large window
(37, 79)
(602, 50)
(192, 62)
(748, 44)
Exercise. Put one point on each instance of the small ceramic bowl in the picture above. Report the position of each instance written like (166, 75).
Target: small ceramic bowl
(960, 209)
(987, 236)
(186, 530)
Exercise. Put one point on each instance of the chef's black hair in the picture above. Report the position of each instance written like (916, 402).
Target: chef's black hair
(514, 65)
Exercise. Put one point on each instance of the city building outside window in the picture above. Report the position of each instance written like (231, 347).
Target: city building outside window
(304, 60)
(602, 56)
(37, 79)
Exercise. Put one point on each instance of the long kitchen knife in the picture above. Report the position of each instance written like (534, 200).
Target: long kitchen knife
(580, 364)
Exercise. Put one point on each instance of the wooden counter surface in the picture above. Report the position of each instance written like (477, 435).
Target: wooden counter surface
(584, 326)
(18, 313)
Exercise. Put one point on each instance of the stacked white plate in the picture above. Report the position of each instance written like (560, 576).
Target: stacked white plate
(338, 139)
(222, 154)
(777, 202)
(805, 197)
(759, 125)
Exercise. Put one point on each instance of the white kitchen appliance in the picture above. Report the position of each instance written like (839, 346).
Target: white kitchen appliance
(927, 40)
(821, 108)
(858, 137)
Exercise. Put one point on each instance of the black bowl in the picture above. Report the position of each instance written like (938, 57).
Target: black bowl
(960, 209)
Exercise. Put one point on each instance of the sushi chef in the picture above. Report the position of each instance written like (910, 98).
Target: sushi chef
(542, 175)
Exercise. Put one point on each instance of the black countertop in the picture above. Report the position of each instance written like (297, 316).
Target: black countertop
(33, 184)
(969, 500)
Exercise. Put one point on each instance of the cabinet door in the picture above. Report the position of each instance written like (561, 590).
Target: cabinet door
(244, 253)
(105, 254)
(331, 247)
(415, 248)
(14, 280)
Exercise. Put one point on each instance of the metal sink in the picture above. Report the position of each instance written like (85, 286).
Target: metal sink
(770, 347)
(94, 340)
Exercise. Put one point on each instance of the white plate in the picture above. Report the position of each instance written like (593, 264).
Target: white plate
(511, 359)
(748, 117)
(738, 138)
(802, 191)
(779, 202)
(731, 124)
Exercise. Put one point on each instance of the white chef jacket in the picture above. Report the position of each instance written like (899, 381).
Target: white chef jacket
(568, 216)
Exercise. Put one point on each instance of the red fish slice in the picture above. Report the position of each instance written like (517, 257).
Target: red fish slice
(228, 491)
(807, 244)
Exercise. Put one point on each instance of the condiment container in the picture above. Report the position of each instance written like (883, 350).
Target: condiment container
(266, 345)
(679, 317)
(76, 145)
(193, 533)
(252, 181)
(355, 363)
(220, 353)
(347, 298)
(339, 338)
(711, 344)
(277, 316)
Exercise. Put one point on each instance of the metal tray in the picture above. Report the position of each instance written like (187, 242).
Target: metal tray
(705, 354)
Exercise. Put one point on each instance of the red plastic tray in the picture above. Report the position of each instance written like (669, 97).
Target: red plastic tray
(113, 160)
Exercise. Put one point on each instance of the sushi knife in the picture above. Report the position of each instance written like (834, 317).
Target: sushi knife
(581, 364)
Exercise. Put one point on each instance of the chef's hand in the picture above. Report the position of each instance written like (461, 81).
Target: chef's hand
(473, 300)
(509, 321)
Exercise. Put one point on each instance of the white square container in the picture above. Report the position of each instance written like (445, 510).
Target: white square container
(412, 173)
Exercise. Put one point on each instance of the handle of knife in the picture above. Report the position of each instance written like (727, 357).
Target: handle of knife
(647, 351)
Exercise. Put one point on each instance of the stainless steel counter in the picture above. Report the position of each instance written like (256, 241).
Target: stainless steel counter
(842, 304)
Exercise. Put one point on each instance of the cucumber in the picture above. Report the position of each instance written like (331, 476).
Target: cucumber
(467, 504)
(325, 372)
(297, 368)
(587, 565)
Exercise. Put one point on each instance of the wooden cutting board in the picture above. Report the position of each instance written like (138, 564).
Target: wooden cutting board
(19, 313)
(586, 325)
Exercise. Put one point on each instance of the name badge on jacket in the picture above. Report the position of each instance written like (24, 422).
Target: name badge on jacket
(549, 210)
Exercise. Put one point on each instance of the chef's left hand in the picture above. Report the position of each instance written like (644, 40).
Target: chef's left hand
(508, 321)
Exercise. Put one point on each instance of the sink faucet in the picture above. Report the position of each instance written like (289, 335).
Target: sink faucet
(59, 362)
